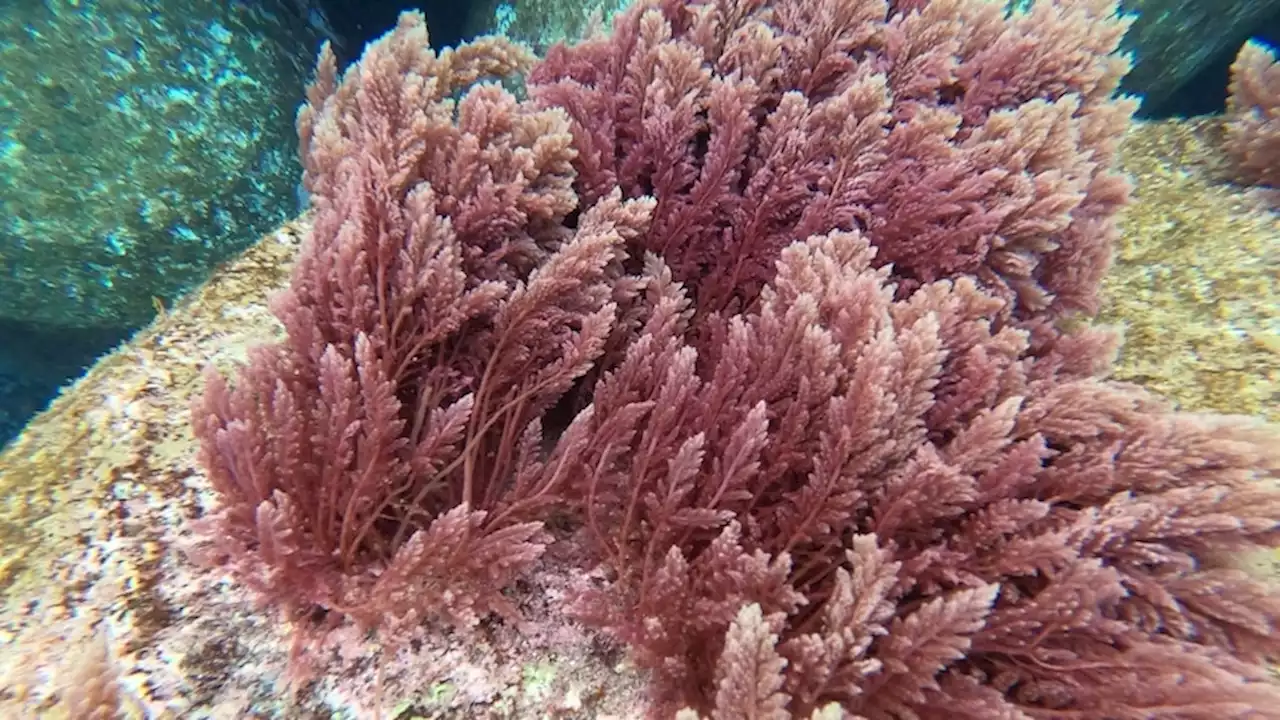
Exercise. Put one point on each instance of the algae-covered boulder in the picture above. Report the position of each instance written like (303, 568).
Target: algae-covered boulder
(141, 142)
(543, 23)
(1196, 279)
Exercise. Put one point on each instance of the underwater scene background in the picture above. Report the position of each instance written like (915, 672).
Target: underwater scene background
(724, 358)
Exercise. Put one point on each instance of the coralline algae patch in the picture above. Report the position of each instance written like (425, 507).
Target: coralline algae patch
(1196, 280)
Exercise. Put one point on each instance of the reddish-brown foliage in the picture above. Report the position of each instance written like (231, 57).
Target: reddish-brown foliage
(386, 460)
(1253, 114)
(957, 139)
(929, 520)
(824, 442)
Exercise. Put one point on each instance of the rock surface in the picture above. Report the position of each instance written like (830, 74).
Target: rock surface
(1174, 40)
(1196, 279)
(141, 143)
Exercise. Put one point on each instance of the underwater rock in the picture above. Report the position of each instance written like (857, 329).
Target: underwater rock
(141, 143)
(1175, 39)
(543, 23)
(1196, 276)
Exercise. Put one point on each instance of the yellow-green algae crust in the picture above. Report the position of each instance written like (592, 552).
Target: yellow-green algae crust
(1196, 279)
(90, 489)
